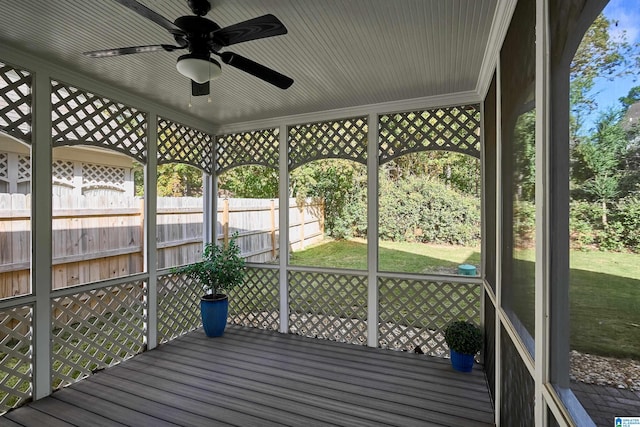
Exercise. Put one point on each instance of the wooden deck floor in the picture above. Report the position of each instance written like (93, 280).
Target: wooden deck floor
(251, 377)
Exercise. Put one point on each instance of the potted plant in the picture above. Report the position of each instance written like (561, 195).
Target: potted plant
(221, 269)
(464, 340)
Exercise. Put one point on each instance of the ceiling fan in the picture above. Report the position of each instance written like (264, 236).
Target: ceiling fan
(203, 37)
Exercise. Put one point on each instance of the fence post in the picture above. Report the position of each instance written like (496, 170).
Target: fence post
(302, 224)
(225, 221)
(273, 229)
(322, 217)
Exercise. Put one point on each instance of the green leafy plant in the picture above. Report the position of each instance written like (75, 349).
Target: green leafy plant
(221, 268)
(463, 337)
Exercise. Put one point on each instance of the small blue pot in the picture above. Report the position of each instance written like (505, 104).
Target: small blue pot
(214, 310)
(462, 362)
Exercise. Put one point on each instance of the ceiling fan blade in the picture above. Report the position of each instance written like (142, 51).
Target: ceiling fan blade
(144, 11)
(198, 89)
(256, 28)
(255, 69)
(132, 49)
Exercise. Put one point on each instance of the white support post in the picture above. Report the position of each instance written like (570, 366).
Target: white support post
(211, 190)
(483, 225)
(41, 238)
(498, 230)
(210, 200)
(283, 242)
(150, 244)
(372, 231)
(542, 200)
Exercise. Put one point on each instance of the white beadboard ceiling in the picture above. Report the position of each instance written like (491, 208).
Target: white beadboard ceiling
(341, 53)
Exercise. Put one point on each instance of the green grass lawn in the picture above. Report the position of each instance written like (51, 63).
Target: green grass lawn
(604, 292)
(402, 257)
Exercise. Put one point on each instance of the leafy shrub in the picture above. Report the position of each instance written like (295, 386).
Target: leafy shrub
(584, 220)
(418, 209)
(627, 213)
(352, 222)
(221, 268)
(621, 232)
(610, 238)
(524, 222)
(463, 337)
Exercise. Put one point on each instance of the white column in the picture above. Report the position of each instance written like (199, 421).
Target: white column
(210, 200)
(372, 231)
(499, 225)
(483, 225)
(542, 199)
(41, 234)
(150, 244)
(283, 241)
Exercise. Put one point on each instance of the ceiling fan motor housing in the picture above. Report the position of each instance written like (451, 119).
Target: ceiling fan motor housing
(199, 7)
(198, 32)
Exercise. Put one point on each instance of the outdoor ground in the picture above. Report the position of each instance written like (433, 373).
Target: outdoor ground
(604, 292)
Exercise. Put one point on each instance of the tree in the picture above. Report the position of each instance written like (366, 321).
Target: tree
(597, 161)
(336, 181)
(524, 139)
(459, 171)
(598, 56)
(250, 181)
(179, 180)
(174, 180)
(632, 97)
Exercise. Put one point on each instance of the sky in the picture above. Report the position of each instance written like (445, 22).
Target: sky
(627, 15)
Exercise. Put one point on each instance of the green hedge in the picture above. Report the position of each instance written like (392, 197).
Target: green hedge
(622, 231)
(414, 209)
(418, 209)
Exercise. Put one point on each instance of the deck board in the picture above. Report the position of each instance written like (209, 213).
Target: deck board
(109, 410)
(73, 414)
(252, 377)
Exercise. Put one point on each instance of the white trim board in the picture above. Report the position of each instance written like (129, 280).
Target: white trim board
(499, 26)
(58, 72)
(454, 99)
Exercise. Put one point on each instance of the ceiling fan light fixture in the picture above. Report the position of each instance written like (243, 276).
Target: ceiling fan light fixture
(198, 69)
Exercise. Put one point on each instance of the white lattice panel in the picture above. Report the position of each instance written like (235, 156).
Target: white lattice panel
(4, 165)
(414, 313)
(178, 306)
(15, 357)
(449, 129)
(339, 139)
(258, 147)
(329, 306)
(102, 176)
(178, 143)
(95, 329)
(15, 102)
(82, 118)
(63, 171)
(24, 168)
(256, 302)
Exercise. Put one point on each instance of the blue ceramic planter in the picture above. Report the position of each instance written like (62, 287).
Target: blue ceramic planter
(462, 362)
(214, 310)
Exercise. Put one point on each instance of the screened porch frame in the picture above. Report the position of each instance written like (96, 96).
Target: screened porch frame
(549, 370)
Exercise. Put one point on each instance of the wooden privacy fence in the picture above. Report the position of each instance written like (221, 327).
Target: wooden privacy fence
(256, 222)
(101, 237)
